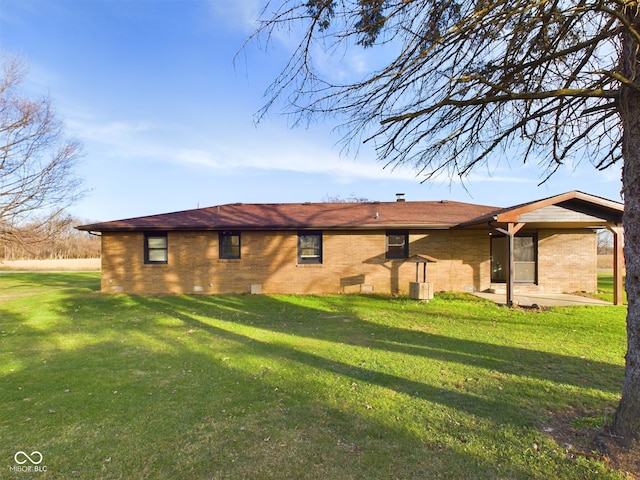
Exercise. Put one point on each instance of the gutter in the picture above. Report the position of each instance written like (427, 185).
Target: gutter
(271, 228)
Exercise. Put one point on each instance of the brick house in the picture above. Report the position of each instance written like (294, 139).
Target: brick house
(545, 246)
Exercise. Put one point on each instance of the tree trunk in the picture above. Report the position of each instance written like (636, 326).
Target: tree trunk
(627, 418)
(626, 422)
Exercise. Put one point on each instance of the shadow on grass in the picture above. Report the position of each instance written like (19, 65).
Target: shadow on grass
(89, 281)
(132, 397)
(136, 382)
(282, 317)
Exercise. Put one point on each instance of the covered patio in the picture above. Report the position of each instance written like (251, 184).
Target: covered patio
(570, 211)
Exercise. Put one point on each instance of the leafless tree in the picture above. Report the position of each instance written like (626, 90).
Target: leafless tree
(55, 239)
(37, 180)
(468, 82)
(353, 198)
(605, 242)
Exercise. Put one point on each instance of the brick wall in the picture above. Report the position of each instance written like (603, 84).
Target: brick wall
(352, 262)
(567, 261)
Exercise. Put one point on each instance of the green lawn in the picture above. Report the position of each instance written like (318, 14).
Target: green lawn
(292, 387)
(605, 288)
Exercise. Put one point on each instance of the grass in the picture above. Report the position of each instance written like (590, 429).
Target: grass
(605, 287)
(292, 387)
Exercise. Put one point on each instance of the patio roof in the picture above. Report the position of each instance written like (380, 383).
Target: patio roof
(573, 209)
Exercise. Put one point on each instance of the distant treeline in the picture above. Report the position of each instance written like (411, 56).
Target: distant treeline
(49, 241)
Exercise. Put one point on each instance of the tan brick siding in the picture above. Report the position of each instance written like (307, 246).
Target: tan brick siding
(567, 261)
(352, 262)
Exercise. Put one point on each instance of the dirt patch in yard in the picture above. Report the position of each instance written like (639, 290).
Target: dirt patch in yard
(75, 264)
(574, 432)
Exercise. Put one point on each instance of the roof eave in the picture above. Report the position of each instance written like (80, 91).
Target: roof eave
(191, 228)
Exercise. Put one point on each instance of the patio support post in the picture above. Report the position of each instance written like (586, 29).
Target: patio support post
(511, 267)
(510, 232)
(618, 258)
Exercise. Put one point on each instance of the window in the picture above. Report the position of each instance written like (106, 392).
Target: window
(397, 244)
(525, 257)
(310, 247)
(155, 248)
(229, 245)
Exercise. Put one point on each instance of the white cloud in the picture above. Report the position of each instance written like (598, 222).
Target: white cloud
(268, 148)
(240, 13)
(304, 157)
(114, 131)
(130, 139)
(271, 158)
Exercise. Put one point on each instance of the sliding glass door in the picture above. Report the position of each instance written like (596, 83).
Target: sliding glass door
(525, 258)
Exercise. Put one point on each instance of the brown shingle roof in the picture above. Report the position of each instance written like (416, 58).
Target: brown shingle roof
(287, 216)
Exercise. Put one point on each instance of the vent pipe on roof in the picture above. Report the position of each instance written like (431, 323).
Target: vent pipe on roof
(400, 197)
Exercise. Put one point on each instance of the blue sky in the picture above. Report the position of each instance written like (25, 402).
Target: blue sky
(167, 118)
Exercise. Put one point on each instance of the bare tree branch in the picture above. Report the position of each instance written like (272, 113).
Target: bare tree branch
(468, 82)
(36, 162)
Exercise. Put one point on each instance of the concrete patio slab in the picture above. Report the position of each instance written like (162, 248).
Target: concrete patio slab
(543, 300)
